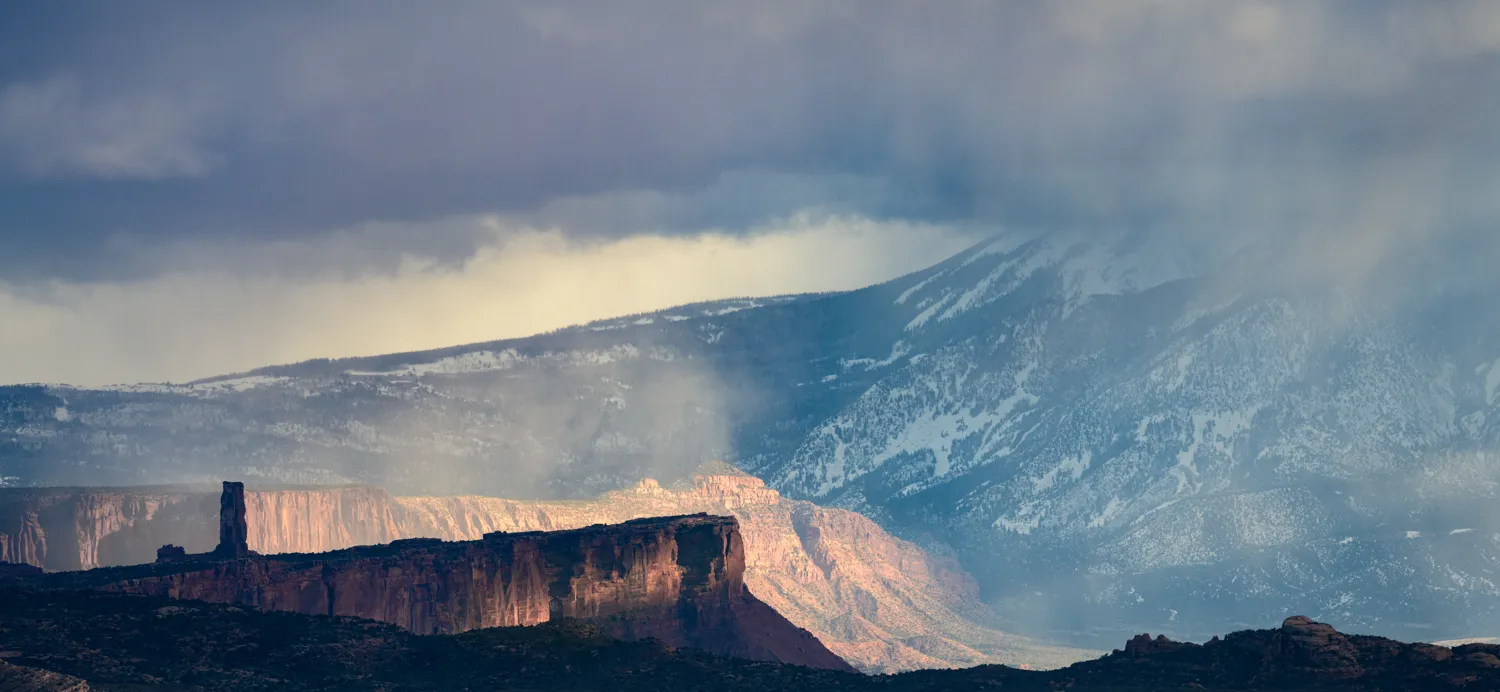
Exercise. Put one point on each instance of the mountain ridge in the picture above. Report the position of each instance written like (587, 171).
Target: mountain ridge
(1112, 434)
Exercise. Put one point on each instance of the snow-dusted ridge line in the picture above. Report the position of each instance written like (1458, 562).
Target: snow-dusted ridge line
(488, 361)
(712, 308)
(218, 385)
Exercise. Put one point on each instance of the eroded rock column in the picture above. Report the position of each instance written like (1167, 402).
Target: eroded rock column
(234, 533)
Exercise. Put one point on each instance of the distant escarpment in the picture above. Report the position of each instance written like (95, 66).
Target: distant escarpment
(83, 528)
(881, 603)
(679, 580)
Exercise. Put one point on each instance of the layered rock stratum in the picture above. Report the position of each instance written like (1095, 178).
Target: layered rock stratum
(678, 580)
(879, 602)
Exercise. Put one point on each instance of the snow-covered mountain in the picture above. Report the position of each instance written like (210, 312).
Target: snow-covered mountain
(1107, 432)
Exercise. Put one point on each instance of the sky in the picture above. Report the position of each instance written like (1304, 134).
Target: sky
(189, 189)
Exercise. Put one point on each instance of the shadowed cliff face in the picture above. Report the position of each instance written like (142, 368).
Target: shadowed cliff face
(881, 603)
(82, 528)
(677, 579)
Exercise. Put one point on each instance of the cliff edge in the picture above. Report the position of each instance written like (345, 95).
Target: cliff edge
(679, 580)
(881, 603)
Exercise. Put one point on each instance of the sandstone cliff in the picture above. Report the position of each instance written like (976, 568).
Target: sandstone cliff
(677, 579)
(83, 528)
(881, 603)
(311, 520)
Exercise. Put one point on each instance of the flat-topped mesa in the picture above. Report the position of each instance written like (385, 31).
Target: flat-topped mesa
(431, 586)
(879, 601)
(678, 579)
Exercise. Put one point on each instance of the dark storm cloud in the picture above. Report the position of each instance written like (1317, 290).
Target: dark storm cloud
(127, 129)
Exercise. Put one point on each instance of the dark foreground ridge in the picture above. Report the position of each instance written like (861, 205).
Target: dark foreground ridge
(124, 642)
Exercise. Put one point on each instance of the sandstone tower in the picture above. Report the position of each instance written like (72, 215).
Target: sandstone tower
(234, 533)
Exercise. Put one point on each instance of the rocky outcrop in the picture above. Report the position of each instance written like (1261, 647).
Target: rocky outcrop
(1142, 646)
(1317, 648)
(171, 553)
(677, 579)
(1300, 654)
(25, 679)
(232, 530)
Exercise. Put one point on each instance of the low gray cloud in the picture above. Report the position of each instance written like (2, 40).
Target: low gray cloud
(52, 131)
(343, 143)
(219, 309)
(278, 120)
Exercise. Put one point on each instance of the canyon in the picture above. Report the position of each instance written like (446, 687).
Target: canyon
(678, 580)
(879, 602)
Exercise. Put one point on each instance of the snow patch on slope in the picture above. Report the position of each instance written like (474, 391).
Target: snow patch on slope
(934, 433)
(234, 384)
(1014, 271)
(898, 351)
(1026, 520)
(1492, 383)
(476, 361)
(1002, 245)
(1218, 430)
(1072, 466)
(972, 297)
(925, 315)
(1096, 269)
(908, 293)
(1110, 511)
(488, 361)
